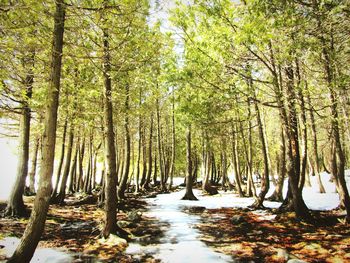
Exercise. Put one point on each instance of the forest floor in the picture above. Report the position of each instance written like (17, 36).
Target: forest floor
(243, 234)
(263, 236)
(76, 229)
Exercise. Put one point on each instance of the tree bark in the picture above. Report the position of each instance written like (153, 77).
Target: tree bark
(29, 241)
(172, 163)
(265, 181)
(149, 171)
(235, 163)
(159, 144)
(34, 162)
(293, 154)
(59, 199)
(73, 171)
(110, 219)
(315, 147)
(124, 180)
(15, 204)
(60, 163)
(189, 180)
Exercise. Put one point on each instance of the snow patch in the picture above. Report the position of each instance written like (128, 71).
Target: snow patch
(41, 255)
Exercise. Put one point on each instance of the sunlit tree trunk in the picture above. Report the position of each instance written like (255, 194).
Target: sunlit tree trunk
(265, 181)
(110, 219)
(159, 144)
(31, 236)
(235, 163)
(60, 163)
(62, 193)
(149, 171)
(15, 204)
(124, 179)
(189, 180)
(34, 162)
(315, 146)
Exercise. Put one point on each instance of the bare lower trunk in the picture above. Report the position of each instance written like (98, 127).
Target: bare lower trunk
(207, 187)
(189, 181)
(110, 218)
(60, 164)
(149, 171)
(265, 181)
(124, 180)
(315, 148)
(235, 162)
(159, 144)
(62, 193)
(33, 169)
(278, 193)
(172, 163)
(15, 204)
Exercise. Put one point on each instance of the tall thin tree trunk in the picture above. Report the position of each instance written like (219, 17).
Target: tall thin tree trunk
(265, 181)
(62, 193)
(124, 180)
(189, 180)
(172, 163)
(149, 171)
(60, 164)
(73, 170)
(137, 177)
(80, 182)
(315, 147)
(303, 127)
(293, 167)
(15, 204)
(110, 219)
(29, 241)
(234, 161)
(34, 162)
(160, 157)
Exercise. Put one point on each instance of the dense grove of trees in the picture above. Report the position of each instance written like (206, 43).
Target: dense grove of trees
(107, 103)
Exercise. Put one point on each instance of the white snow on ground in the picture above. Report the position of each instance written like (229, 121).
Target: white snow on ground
(181, 242)
(41, 255)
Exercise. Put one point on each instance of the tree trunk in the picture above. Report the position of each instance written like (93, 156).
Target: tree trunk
(60, 164)
(149, 171)
(293, 154)
(278, 193)
(137, 177)
(80, 182)
(235, 163)
(124, 180)
(265, 181)
(73, 171)
(315, 147)
(110, 219)
(160, 157)
(303, 127)
(144, 158)
(207, 187)
(172, 163)
(189, 181)
(62, 193)
(25, 250)
(15, 204)
(34, 162)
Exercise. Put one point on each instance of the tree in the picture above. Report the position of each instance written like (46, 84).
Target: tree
(35, 227)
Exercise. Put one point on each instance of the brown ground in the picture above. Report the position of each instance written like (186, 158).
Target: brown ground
(77, 229)
(260, 240)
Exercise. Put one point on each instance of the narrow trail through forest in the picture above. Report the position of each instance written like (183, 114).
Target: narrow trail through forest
(181, 241)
